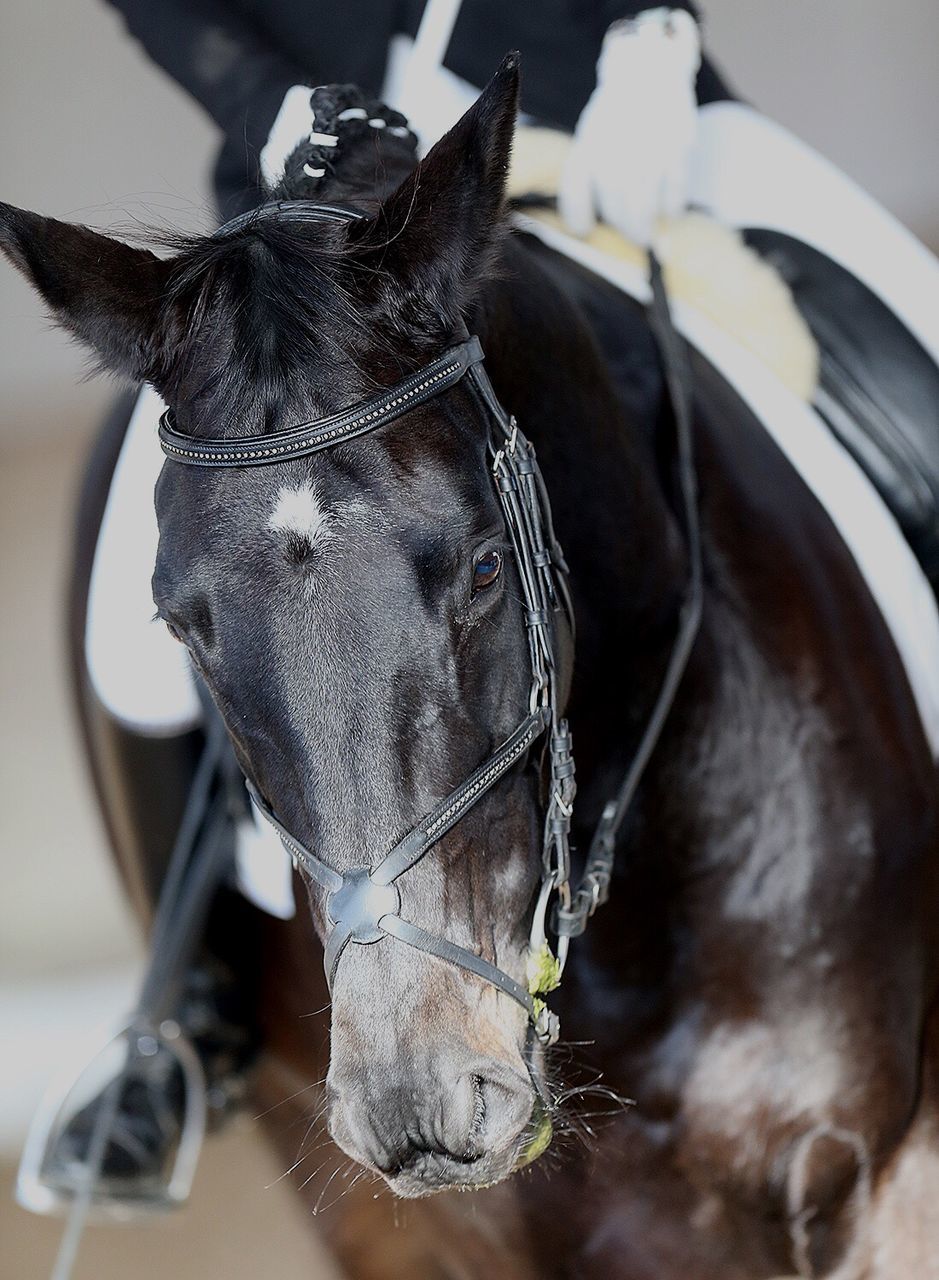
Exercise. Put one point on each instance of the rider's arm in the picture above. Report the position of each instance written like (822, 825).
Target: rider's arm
(628, 165)
(710, 86)
(241, 74)
(231, 69)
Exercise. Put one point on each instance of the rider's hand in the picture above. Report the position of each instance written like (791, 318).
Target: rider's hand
(320, 120)
(629, 159)
(293, 124)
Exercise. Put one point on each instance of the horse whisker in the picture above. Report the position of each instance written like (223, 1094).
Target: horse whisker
(316, 1012)
(290, 1097)
(319, 1201)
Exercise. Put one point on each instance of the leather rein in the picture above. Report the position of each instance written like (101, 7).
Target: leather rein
(362, 904)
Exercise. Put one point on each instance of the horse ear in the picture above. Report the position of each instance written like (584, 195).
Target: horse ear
(432, 238)
(106, 293)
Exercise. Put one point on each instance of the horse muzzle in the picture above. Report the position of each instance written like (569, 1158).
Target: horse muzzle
(437, 1126)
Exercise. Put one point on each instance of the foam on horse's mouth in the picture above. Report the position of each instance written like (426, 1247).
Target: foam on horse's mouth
(413, 1184)
(542, 1131)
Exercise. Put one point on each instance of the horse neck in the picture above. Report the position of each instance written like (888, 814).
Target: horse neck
(772, 684)
(620, 539)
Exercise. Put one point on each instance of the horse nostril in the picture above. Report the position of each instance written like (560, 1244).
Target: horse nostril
(479, 1106)
(461, 1118)
(488, 1110)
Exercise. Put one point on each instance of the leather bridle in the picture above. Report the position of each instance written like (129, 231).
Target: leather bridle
(362, 904)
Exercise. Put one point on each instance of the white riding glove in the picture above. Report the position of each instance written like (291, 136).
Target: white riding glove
(628, 164)
(294, 123)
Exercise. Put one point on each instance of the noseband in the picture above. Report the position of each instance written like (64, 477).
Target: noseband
(363, 903)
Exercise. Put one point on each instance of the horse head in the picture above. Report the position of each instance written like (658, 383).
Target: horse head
(355, 613)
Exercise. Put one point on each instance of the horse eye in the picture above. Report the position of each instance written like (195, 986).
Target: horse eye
(174, 632)
(486, 570)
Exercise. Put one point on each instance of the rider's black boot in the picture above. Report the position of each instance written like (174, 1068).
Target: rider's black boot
(149, 1111)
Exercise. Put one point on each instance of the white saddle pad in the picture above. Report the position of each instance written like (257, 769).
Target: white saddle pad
(749, 171)
(141, 675)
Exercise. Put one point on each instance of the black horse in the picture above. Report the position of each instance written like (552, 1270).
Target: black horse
(761, 979)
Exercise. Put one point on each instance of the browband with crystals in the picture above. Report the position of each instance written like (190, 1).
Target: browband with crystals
(310, 437)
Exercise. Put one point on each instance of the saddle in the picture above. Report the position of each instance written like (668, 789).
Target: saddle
(878, 388)
(814, 305)
(865, 289)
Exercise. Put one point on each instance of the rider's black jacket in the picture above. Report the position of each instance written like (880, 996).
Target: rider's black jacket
(239, 57)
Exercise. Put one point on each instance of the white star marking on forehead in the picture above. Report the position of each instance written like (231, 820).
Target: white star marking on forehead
(298, 510)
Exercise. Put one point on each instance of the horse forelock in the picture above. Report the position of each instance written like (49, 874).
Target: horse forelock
(286, 320)
(260, 312)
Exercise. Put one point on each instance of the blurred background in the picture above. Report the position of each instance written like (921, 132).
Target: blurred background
(92, 132)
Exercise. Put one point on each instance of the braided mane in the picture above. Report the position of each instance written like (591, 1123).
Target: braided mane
(359, 150)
